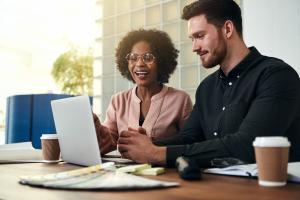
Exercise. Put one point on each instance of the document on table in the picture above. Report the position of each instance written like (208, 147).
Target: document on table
(294, 172)
(251, 170)
(20, 153)
(235, 170)
(118, 160)
(115, 156)
(94, 177)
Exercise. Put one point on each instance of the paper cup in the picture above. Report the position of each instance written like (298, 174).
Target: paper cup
(50, 147)
(272, 155)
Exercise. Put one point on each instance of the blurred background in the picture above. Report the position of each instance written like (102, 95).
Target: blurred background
(33, 34)
(38, 35)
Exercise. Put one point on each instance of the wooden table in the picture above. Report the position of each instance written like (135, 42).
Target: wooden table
(210, 187)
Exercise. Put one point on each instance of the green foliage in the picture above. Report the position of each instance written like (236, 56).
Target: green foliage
(73, 72)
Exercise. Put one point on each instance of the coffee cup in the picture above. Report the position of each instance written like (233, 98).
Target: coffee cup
(50, 147)
(272, 155)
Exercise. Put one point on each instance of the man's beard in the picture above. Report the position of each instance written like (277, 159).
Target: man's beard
(217, 55)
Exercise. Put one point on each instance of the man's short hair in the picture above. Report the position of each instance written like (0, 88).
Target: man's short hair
(216, 12)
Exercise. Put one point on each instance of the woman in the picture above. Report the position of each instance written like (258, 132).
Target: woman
(148, 58)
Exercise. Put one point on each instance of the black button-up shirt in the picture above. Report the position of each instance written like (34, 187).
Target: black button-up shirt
(259, 97)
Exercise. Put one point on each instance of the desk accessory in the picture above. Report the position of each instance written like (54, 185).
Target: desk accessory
(187, 168)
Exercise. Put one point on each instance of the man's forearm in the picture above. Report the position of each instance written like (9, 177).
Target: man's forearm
(159, 156)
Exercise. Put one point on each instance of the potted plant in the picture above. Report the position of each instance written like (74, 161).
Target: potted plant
(73, 72)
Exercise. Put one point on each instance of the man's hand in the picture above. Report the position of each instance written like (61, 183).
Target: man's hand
(137, 146)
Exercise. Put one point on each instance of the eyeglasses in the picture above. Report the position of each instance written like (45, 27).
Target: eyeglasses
(226, 162)
(147, 58)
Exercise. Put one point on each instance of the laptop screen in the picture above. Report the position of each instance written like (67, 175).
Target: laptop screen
(76, 131)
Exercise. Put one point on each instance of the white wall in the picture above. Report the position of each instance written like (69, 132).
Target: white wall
(273, 27)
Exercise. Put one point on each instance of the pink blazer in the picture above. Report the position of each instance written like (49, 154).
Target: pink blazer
(168, 111)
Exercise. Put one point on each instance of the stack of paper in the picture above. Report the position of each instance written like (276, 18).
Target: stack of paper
(133, 168)
(142, 169)
(154, 171)
(20, 152)
(115, 156)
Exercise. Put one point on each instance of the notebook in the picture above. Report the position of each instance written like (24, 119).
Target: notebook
(251, 171)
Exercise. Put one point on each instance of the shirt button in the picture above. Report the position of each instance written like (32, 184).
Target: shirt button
(230, 83)
(215, 133)
(238, 76)
(223, 108)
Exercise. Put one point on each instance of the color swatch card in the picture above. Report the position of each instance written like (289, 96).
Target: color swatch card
(102, 177)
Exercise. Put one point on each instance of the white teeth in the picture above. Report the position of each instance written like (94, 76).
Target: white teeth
(141, 73)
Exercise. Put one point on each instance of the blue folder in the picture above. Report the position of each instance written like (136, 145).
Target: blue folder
(30, 116)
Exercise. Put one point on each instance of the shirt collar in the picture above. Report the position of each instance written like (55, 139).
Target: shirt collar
(159, 95)
(243, 65)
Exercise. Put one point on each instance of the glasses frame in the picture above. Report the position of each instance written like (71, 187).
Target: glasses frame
(140, 56)
(226, 162)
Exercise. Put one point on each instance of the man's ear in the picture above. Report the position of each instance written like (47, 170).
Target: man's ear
(228, 29)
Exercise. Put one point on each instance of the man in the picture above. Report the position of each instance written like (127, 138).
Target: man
(250, 95)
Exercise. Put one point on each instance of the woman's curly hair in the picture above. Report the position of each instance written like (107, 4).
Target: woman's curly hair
(161, 47)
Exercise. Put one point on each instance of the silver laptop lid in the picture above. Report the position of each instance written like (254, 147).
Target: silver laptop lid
(76, 130)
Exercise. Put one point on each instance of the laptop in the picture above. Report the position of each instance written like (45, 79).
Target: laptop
(75, 127)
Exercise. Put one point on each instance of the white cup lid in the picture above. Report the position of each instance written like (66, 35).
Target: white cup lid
(271, 142)
(49, 136)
